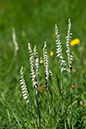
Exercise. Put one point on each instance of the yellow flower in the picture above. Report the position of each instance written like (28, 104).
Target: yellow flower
(74, 42)
(52, 54)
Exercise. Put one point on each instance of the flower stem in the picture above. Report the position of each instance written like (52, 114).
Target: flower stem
(54, 79)
(39, 117)
(71, 100)
(42, 66)
(62, 93)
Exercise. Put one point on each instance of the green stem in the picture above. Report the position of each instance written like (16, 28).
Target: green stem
(43, 81)
(43, 72)
(39, 117)
(62, 93)
(54, 79)
(54, 75)
(71, 101)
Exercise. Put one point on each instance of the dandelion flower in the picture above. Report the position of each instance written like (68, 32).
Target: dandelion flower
(74, 42)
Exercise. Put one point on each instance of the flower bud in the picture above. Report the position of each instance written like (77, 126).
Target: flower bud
(41, 61)
(52, 54)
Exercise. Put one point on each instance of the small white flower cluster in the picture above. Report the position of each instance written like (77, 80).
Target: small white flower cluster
(59, 49)
(36, 61)
(23, 86)
(34, 65)
(46, 62)
(68, 39)
(15, 42)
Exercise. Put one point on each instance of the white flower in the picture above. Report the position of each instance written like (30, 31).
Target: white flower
(23, 86)
(34, 65)
(59, 49)
(36, 61)
(15, 42)
(46, 62)
(68, 39)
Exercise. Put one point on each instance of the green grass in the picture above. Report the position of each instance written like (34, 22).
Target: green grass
(34, 21)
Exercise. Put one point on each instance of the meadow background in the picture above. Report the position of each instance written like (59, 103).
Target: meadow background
(34, 21)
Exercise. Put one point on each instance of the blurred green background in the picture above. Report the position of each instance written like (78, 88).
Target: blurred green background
(34, 21)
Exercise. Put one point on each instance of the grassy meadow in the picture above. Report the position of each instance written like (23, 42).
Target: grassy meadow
(34, 22)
